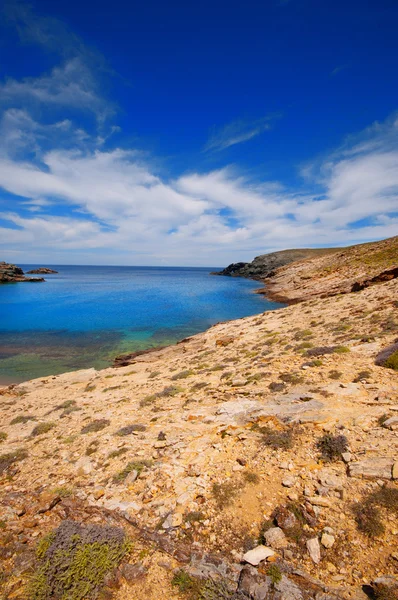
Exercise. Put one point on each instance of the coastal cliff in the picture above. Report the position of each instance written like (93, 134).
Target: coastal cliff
(264, 266)
(296, 275)
(256, 460)
(12, 274)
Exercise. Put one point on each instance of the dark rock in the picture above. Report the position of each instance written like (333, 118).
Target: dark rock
(12, 274)
(133, 572)
(264, 266)
(42, 271)
(123, 360)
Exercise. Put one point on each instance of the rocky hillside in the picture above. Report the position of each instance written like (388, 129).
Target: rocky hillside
(12, 274)
(348, 269)
(257, 460)
(265, 265)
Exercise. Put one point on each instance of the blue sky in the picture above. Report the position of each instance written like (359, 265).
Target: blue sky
(187, 133)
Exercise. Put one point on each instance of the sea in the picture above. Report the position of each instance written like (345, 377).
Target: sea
(84, 316)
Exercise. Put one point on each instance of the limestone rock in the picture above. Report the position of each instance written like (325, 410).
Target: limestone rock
(275, 538)
(372, 468)
(257, 555)
(391, 423)
(327, 540)
(133, 572)
(314, 550)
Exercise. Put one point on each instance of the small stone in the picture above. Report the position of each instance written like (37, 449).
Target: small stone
(391, 423)
(131, 477)
(289, 482)
(98, 493)
(320, 501)
(275, 538)
(346, 456)
(395, 470)
(133, 572)
(327, 540)
(258, 554)
(314, 550)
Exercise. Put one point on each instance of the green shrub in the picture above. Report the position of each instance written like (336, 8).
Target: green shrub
(128, 429)
(341, 349)
(74, 560)
(333, 374)
(8, 459)
(278, 439)
(182, 375)
(3, 436)
(42, 428)
(332, 447)
(392, 361)
(137, 465)
(224, 493)
(95, 426)
(22, 419)
(274, 573)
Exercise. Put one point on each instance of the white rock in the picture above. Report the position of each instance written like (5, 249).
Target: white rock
(258, 554)
(276, 538)
(314, 550)
(289, 482)
(327, 540)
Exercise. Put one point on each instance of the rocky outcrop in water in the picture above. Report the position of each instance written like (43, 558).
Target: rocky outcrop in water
(12, 274)
(42, 271)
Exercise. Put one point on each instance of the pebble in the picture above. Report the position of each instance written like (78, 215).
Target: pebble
(289, 482)
(327, 540)
(275, 538)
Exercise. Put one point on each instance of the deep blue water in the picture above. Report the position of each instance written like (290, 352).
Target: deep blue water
(84, 316)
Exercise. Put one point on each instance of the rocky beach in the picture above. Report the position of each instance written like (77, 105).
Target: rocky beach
(256, 460)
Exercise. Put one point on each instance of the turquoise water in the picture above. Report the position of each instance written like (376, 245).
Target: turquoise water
(84, 316)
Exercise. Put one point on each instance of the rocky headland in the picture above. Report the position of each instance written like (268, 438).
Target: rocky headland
(12, 274)
(257, 460)
(42, 271)
(265, 265)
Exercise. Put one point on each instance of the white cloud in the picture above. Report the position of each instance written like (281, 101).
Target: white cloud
(116, 208)
(237, 132)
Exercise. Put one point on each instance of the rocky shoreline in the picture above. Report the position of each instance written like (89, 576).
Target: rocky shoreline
(10, 273)
(42, 271)
(257, 460)
(290, 279)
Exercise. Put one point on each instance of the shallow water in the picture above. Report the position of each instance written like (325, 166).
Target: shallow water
(84, 316)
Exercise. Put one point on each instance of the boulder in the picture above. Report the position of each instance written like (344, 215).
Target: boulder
(372, 468)
(257, 555)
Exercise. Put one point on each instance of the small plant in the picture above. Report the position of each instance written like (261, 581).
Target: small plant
(74, 560)
(63, 491)
(362, 375)
(333, 374)
(128, 429)
(183, 581)
(95, 426)
(392, 361)
(198, 386)
(182, 375)
(153, 374)
(382, 419)
(278, 439)
(42, 428)
(341, 350)
(368, 519)
(224, 493)
(92, 447)
(332, 447)
(291, 378)
(276, 387)
(251, 477)
(22, 419)
(138, 465)
(66, 404)
(8, 459)
(116, 453)
(274, 573)
(194, 517)
(3, 436)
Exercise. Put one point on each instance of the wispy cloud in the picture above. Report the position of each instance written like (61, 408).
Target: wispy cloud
(237, 132)
(338, 69)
